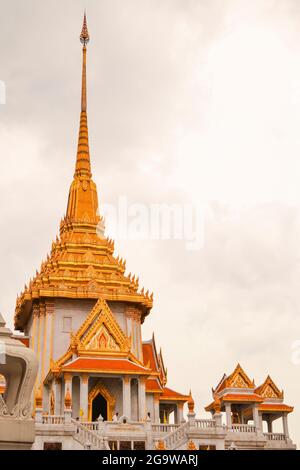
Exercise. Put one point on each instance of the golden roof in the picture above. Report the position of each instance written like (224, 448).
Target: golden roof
(269, 389)
(82, 264)
(237, 379)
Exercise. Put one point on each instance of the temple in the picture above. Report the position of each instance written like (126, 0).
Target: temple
(82, 314)
(99, 385)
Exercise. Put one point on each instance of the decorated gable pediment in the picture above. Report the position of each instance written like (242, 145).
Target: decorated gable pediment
(101, 331)
(239, 379)
(103, 340)
(269, 390)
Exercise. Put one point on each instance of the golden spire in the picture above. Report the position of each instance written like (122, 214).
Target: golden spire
(83, 198)
(83, 165)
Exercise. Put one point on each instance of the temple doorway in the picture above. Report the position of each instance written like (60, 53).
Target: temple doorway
(99, 407)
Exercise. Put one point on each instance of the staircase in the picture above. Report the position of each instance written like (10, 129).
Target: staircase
(177, 437)
(88, 438)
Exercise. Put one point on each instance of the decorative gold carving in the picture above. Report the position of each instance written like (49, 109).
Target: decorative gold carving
(238, 382)
(68, 399)
(269, 389)
(191, 446)
(217, 405)
(161, 445)
(85, 378)
(67, 377)
(239, 379)
(103, 331)
(103, 341)
(38, 398)
(52, 403)
(191, 403)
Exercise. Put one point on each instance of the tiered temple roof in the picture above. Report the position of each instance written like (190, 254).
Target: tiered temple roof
(82, 263)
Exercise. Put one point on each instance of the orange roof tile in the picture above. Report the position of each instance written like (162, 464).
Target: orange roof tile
(275, 407)
(105, 365)
(148, 355)
(153, 386)
(169, 394)
(241, 397)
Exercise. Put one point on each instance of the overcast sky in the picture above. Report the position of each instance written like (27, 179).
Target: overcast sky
(189, 101)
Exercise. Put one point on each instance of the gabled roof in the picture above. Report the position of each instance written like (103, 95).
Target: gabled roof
(152, 385)
(99, 335)
(170, 395)
(154, 360)
(268, 389)
(150, 356)
(227, 390)
(241, 397)
(237, 379)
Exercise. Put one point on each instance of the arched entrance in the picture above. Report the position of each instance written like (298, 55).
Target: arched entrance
(101, 402)
(99, 407)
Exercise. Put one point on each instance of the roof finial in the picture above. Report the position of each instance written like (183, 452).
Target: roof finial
(84, 36)
(83, 166)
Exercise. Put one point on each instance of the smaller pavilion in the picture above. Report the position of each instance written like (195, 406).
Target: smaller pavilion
(273, 407)
(244, 403)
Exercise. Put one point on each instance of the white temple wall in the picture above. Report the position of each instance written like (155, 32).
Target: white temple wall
(118, 309)
(68, 317)
(150, 405)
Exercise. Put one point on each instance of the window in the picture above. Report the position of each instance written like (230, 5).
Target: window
(139, 445)
(67, 324)
(52, 446)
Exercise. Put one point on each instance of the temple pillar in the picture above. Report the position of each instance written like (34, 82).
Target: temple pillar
(84, 392)
(269, 424)
(58, 407)
(228, 414)
(46, 399)
(180, 413)
(48, 337)
(142, 398)
(255, 416)
(285, 425)
(67, 385)
(156, 409)
(126, 397)
(260, 421)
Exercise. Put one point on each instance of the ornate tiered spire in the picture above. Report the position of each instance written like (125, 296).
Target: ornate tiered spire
(83, 166)
(82, 264)
(83, 198)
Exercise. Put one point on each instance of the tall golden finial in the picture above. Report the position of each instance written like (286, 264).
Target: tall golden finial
(84, 39)
(83, 166)
(83, 198)
(84, 36)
